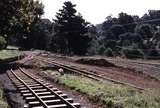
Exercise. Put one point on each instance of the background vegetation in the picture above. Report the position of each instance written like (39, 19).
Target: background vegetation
(69, 33)
(130, 36)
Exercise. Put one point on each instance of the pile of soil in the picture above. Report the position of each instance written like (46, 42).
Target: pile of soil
(97, 62)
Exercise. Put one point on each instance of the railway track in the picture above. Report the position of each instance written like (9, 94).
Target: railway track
(39, 94)
(86, 73)
(150, 69)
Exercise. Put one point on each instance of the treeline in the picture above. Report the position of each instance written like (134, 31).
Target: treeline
(69, 33)
(22, 25)
(129, 36)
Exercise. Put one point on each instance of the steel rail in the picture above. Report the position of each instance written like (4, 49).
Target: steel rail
(87, 74)
(61, 98)
(39, 99)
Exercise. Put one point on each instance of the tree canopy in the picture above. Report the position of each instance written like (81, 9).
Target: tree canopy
(70, 31)
(17, 17)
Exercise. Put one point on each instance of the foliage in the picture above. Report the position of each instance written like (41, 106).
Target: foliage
(130, 39)
(111, 44)
(94, 43)
(116, 30)
(101, 49)
(132, 53)
(21, 23)
(127, 21)
(109, 52)
(145, 30)
(40, 35)
(3, 43)
(70, 31)
(152, 15)
(17, 16)
(132, 35)
(109, 22)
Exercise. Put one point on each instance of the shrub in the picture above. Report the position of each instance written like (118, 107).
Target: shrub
(132, 53)
(3, 42)
(101, 49)
(108, 52)
(153, 54)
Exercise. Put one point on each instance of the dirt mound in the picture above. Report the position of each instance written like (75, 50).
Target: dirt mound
(97, 62)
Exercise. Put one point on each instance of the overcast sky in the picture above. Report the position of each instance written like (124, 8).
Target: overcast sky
(95, 11)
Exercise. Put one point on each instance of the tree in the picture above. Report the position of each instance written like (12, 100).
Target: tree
(40, 35)
(3, 42)
(130, 39)
(94, 43)
(17, 16)
(70, 31)
(111, 44)
(145, 30)
(116, 30)
(152, 17)
(109, 22)
(127, 21)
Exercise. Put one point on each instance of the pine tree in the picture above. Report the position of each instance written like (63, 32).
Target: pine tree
(70, 31)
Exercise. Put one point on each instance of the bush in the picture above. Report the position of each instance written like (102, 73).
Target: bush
(108, 52)
(3, 42)
(153, 54)
(101, 49)
(132, 53)
(111, 44)
(93, 49)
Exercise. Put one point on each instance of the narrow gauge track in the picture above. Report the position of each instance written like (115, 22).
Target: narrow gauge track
(86, 73)
(39, 94)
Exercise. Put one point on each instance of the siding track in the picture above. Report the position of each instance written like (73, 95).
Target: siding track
(85, 73)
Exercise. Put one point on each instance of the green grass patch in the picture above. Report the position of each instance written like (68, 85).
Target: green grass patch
(111, 95)
(12, 47)
(3, 103)
(6, 54)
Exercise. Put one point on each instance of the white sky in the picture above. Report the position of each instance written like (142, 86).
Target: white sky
(95, 11)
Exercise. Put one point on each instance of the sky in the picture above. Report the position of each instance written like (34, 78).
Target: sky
(95, 11)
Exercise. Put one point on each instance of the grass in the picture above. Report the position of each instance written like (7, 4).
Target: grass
(111, 95)
(3, 103)
(7, 53)
(12, 47)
